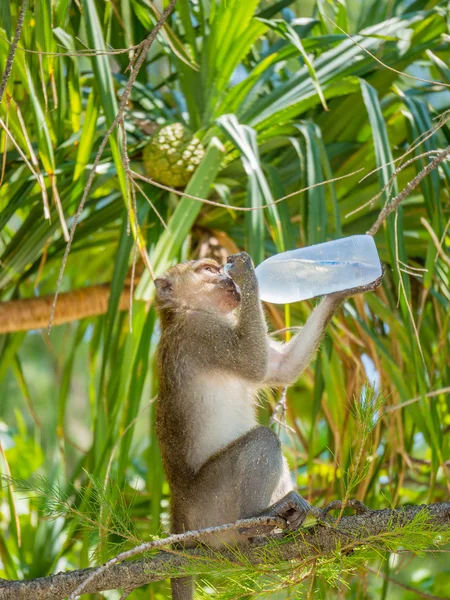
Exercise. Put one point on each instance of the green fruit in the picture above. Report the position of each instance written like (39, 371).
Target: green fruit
(172, 155)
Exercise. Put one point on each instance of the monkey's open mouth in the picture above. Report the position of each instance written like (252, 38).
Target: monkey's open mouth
(236, 293)
(231, 287)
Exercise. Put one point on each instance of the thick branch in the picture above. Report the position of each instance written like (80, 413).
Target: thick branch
(34, 313)
(305, 545)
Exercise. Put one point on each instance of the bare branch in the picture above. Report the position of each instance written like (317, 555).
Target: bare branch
(305, 545)
(389, 208)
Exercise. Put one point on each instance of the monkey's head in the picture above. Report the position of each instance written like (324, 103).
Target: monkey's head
(196, 285)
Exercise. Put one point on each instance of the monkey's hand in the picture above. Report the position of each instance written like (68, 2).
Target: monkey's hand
(240, 268)
(369, 287)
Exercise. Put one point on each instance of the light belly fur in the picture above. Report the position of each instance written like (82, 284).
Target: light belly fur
(224, 411)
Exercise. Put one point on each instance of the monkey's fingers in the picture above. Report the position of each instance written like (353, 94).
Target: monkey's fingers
(369, 287)
(239, 266)
(358, 506)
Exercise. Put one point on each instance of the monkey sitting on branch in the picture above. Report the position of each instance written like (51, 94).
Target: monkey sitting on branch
(220, 464)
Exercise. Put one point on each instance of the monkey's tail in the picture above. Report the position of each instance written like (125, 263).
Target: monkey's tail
(183, 588)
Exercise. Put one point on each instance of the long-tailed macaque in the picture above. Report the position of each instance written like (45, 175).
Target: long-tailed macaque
(221, 465)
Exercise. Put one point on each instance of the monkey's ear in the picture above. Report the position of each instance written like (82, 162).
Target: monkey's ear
(163, 287)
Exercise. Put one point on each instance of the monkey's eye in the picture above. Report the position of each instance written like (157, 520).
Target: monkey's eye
(201, 268)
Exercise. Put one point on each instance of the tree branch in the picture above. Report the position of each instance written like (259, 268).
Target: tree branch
(304, 545)
(389, 208)
(33, 313)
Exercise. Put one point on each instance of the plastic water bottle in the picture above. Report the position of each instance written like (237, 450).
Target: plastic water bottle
(320, 269)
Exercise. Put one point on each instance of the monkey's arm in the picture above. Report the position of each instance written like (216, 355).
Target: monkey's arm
(288, 361)
(240, 349)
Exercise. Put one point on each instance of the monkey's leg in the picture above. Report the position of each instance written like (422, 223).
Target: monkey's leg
(247, 478)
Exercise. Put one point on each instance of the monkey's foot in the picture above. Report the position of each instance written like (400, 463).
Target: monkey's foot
(293, 508)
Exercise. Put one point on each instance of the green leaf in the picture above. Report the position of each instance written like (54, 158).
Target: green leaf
(259, 193)
(103, 415)
(5, 17)
(43, 133)
(288, 33)
(317, 216)
(87, 138)
(104, 82)
(182, 219)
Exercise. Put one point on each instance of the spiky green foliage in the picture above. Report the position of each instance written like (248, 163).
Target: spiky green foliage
(252, 81)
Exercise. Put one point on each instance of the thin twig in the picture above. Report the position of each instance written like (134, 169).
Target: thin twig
(379, 573)
(410, 268)
(35, 162)
(391, 179)
(421, 139)
(176, 538)
(305, 546)
(387, 210)
(123, 103)
(444, 390)
(82, 53)
(440, 83)
(13, 48)
(18, 148)
(436, 241)
(59, 208)
(155, 210)
(240, 208)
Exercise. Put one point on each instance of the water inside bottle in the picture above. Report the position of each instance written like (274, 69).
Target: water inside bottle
(285, 281)
(318, 270)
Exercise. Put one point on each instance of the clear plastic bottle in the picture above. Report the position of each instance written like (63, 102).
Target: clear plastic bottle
(320, 269)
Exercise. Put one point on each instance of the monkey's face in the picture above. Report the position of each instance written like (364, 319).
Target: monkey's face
(197, 285)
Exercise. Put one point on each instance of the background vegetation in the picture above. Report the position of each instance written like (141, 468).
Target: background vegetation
(283, 99)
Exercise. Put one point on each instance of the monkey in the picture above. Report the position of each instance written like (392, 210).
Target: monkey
(213, 356)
